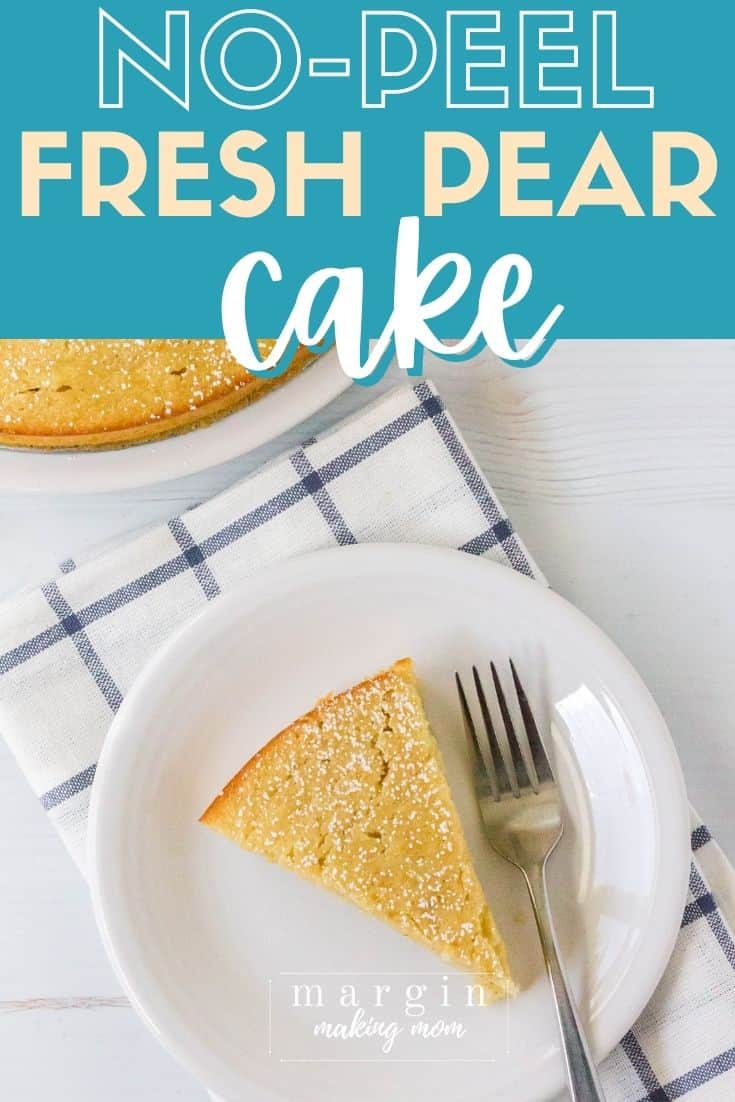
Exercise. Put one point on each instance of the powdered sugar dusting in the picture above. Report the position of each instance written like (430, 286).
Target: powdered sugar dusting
(354, 796)
(62, 387)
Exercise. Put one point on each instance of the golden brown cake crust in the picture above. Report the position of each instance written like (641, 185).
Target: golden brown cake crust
(89, 394)
(353, 797)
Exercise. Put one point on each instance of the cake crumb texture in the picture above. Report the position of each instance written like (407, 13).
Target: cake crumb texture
(353, 796)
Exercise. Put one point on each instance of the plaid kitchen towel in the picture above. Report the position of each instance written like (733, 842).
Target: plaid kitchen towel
(398, 472)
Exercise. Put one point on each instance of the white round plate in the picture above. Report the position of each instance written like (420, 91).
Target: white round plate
(70, 472)
(206, 939)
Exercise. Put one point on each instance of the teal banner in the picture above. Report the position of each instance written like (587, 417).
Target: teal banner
(583, 155)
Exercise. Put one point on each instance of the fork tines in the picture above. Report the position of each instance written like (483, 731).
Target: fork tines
(515, 762)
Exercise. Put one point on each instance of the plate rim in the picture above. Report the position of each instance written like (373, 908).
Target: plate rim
(675, 808)
(24, 470)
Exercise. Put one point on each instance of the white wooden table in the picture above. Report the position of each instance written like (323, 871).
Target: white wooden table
(617, 465)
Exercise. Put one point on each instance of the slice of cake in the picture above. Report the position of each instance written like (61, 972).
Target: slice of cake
(353, 796)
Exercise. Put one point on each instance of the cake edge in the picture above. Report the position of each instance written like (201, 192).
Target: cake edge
(404, 668)
(152, 431)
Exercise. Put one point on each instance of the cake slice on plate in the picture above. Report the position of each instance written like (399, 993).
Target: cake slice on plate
(353, 796)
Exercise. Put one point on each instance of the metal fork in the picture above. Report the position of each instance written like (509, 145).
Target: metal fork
(520, 808)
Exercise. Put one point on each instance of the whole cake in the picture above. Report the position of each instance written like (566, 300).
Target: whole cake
(353, 796)
(110, 393)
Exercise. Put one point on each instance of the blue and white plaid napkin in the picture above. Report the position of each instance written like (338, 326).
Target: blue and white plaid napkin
(398, 472)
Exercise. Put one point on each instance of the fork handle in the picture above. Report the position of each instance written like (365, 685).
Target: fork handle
(584, 1083)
